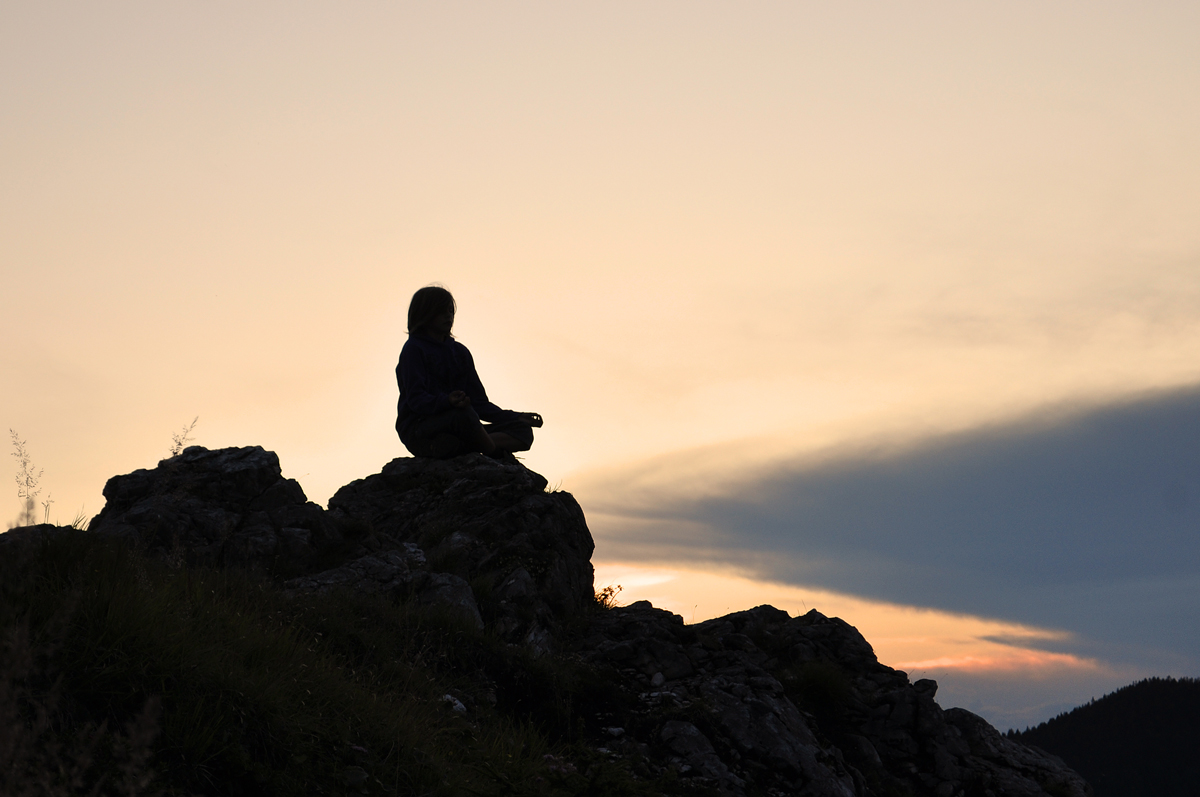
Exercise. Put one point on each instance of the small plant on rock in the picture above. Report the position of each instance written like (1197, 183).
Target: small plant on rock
(606, 598)
(27, 484)
(180, 439)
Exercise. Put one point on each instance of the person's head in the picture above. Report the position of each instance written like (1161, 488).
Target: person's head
(427, 309)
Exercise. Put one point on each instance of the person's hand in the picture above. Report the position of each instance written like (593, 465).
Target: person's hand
(459, 399)
(532, 418)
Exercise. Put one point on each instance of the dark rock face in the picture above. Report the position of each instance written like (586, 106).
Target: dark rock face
(221, 508)
(753, 703)
(474, 535)
(526, 553)
(758, 702)
(734, 725)
(1009, 767)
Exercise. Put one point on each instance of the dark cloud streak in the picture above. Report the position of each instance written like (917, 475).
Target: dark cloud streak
(1085, 521)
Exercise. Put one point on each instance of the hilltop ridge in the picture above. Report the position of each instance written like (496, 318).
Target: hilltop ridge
(1139, 739)
(756, 702)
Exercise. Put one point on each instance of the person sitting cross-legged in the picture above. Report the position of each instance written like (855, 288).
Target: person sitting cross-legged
(443, 409)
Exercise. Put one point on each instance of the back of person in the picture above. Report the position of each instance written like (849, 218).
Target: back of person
(444, 410)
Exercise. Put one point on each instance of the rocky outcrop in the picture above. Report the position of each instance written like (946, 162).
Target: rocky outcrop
(753, 703)
(477, 536)
(709, 703)
(230, 507)
(526, 553)
(1008, 767)
(758, 702)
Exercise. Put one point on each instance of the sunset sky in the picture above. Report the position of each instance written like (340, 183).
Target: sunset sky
(888, 310)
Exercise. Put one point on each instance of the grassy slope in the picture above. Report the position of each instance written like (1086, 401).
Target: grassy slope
(226, 686)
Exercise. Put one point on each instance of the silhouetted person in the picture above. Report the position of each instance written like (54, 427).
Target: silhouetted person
(443, 405)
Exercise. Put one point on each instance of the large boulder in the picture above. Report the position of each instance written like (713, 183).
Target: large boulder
(230, 507)
(525, 552)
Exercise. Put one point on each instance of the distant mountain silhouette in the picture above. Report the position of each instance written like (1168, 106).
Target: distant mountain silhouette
(1142, 739)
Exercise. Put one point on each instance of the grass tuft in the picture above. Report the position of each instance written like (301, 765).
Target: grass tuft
(606, 598)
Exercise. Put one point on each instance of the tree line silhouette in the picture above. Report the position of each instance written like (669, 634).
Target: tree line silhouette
(1142, 739)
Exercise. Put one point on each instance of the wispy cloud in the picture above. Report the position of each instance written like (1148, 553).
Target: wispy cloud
(1034, 663)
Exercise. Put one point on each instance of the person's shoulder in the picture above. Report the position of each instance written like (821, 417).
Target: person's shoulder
(419, 345)
(414, 346)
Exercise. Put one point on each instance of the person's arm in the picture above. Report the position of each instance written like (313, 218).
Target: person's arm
(417, 387)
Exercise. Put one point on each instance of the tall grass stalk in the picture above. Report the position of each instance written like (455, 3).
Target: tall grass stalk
(179, 440)
(27, 483)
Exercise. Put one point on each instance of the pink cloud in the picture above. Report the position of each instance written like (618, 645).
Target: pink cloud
(1034, 662)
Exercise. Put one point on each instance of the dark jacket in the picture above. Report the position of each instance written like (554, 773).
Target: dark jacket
(428, 372)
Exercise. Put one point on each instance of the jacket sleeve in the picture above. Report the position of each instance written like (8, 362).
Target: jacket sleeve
(417, 389)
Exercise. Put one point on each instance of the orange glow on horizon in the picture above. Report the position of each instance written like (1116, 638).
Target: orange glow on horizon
(907, 638)
(1034, 662)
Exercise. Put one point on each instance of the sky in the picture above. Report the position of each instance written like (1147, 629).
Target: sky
(889, 311)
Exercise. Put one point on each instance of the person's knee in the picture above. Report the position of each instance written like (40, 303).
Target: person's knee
(523, 435)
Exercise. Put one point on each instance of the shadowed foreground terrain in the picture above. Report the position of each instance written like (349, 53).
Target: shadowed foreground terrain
(1141, 739)
(434, 631)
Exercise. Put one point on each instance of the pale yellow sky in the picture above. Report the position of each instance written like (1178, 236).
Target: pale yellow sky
(695, 233)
